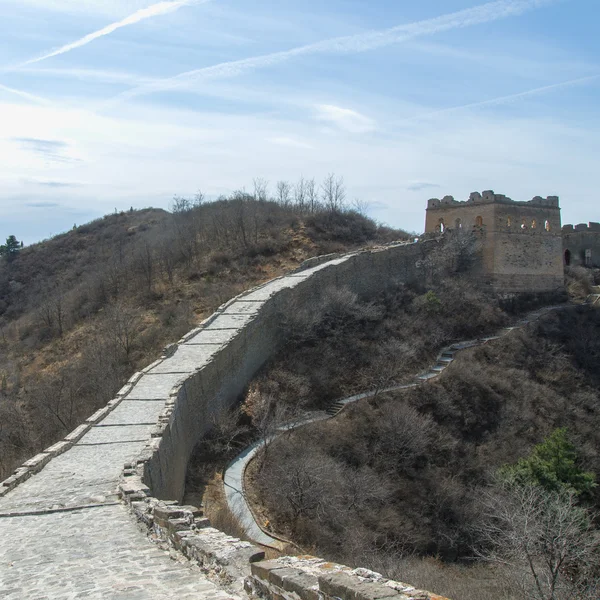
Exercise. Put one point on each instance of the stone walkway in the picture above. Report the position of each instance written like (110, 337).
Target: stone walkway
(233, 478)
(65, 535)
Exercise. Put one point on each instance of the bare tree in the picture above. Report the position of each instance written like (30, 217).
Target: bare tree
(361, 206)
(333, 192)
(300, 194)
(284, 193)
(261, 189)
(179, 205)
(545, 538)
(51, 310)
(122, 326)
(267, 417)
(312, 196)
(145, 265)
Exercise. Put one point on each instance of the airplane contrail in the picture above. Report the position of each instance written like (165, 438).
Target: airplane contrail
(508, 98)
(484, 13)
(26, 95)
(158, 9)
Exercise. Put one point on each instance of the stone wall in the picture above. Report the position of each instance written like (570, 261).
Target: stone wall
(234, 343)
(581, 245)
(309, 578)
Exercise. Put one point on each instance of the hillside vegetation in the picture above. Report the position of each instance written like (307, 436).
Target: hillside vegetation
(81, 312)
(413, 472)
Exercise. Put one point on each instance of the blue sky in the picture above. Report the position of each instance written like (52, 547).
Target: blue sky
(109, 104)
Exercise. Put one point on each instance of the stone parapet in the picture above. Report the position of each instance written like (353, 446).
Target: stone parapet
(310, 578)
(489, 197)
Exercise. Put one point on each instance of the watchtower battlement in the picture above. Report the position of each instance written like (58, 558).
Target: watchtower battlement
(521, 242)
(489, 197)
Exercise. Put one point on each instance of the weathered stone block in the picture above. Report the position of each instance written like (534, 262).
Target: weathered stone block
(263, 568)
(347, 587)
(303, 584)
(78, 433)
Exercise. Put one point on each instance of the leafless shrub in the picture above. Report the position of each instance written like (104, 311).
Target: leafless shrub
(546, 540)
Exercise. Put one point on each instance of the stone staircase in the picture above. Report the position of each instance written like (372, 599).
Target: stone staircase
(594, 297)
(334, 408)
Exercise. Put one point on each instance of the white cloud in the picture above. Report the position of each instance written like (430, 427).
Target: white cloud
(484, 13)
(345, 118)
(155, 10)
(145, 154)
(290, 142)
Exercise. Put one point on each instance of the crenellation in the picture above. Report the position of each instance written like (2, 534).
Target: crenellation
(581, 244)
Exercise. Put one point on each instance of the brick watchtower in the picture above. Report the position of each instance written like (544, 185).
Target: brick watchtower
(521, 241)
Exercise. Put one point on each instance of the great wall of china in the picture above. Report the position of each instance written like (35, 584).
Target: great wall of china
(70, 517)
(78, 519)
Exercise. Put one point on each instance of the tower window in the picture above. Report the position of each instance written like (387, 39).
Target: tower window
(441, 227)
(458, 224)
(534, 224)
(547, 226)
(567, 257)
(509, 222)
(479, 222)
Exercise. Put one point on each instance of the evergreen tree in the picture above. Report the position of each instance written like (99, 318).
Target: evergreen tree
(552, 466)
(11, 249)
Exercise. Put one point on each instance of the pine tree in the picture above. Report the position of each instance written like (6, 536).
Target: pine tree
(11, 249)
(552, 465)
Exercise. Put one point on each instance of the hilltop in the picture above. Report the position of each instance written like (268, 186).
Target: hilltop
(79, 313)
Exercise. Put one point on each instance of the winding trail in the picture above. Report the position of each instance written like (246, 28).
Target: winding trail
(233, 478)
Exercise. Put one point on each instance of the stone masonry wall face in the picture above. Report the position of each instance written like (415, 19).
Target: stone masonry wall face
(522, 241)
(583, 247)
(238, 340)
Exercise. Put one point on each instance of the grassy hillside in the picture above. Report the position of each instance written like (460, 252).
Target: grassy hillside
(81, 312)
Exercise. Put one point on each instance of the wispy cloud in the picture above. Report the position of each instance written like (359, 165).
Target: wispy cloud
(345, 118)
(53, 150)
(290, 142)
(417, 186)
(484, 13)
(52, 184)
(156, 10)
(94, 75)
(510, 98)
(26, 95)
(42, 204)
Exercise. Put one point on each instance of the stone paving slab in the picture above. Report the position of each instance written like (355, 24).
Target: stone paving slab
(270, 289)
(308, 272)
(152, 387)
(83, 475)
(213, 336)
(243, 307)
(131, 412)
(186, 359)
(116, 435)
(94, 553)
(224, 321)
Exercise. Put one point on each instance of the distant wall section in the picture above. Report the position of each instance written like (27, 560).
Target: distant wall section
(581, 245)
